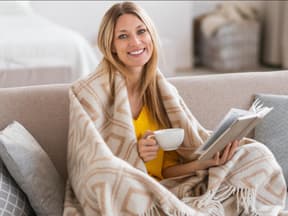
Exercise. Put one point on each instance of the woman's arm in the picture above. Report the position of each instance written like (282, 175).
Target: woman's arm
(190, 167)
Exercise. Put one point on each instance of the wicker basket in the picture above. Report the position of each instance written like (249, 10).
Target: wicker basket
(234, 47)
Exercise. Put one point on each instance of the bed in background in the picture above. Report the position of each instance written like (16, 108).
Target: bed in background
(34, 50)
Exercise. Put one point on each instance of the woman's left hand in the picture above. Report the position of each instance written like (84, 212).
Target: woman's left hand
(195, 165)
(227, 154)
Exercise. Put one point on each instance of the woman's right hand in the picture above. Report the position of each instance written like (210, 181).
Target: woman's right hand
(147, 147)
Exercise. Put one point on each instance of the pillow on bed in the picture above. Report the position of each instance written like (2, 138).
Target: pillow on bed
(15, 8)
(272, 130)
(32, 169)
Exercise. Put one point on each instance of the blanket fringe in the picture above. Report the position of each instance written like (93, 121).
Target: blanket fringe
(245, 198)
(212, 200)
(206, 204)
(155, 211)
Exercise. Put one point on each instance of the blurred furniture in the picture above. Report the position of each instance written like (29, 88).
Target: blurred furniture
(275, 44)
(32, 49)
(233, 47)
(228, 38)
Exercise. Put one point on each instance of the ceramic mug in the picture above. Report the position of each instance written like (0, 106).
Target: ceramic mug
(169, 139)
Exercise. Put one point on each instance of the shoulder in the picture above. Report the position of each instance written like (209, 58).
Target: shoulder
(163, 82)
(95, 79)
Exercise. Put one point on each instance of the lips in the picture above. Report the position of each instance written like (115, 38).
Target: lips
(137, 52)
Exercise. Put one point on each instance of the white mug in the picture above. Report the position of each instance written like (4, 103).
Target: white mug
(169, 139)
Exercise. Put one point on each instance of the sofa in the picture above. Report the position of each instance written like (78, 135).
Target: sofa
(44, 109)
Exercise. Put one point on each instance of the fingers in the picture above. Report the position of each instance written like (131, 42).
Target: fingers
(226, 153)
(148, 156)
(233, 148)
(229, 151)
(220, 159)
(147, 148)
(147, 134)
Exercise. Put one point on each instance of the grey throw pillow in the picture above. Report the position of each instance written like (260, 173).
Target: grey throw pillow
(32, 169)
(13, 201)
(273, 129)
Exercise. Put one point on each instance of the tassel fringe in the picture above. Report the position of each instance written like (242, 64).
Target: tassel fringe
(212, 200)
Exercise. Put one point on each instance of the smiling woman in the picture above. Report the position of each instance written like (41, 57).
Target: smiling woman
(116, 167)
(129, 42)
(132, 42)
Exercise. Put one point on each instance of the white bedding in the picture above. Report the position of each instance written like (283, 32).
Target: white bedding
(31, 41)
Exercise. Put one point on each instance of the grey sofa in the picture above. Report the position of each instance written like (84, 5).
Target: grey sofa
(44, 110)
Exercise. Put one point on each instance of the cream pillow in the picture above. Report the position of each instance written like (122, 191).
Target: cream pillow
(32, 169)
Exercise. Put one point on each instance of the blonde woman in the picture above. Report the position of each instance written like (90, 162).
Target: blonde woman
(126, 99)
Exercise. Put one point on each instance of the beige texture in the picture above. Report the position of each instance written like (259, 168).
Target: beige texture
(35, 76)
(102, 141)
(44, 110)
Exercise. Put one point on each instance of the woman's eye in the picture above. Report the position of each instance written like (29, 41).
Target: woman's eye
(122, 36)
(141, 31)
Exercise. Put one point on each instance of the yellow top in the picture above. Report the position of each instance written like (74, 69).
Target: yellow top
(154, 167)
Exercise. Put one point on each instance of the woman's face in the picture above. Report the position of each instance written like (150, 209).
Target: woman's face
(132, 42)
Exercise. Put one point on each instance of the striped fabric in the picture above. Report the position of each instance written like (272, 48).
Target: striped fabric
(107, 177)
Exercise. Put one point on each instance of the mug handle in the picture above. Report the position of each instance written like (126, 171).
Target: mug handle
(151, 136)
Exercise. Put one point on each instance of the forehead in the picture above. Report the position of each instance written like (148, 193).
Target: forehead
(128, 21)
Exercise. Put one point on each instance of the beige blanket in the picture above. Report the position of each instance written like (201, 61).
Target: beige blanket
(107, 177)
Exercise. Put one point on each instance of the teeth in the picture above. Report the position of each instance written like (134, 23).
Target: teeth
(137, 52)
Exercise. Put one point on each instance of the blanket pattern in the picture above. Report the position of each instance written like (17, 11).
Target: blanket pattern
(107, 177)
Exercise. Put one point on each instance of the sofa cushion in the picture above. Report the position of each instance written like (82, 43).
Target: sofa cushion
(13, 200)
(272, 130)
(32, 169)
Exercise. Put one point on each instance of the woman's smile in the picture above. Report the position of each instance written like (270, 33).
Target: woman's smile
(136, 52)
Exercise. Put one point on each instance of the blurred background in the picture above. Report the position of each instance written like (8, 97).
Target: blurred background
(197, 36)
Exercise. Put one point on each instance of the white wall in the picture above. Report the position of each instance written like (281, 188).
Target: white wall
(173, 20)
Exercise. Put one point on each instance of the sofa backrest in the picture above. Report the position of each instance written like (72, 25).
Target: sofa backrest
(44, 110)
(209, 97)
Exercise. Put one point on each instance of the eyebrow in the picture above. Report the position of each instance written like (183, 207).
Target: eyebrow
(137, 27)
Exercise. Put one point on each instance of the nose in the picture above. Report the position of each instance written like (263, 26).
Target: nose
(134, 40)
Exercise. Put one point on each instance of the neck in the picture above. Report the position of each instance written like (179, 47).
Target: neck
(133, 82)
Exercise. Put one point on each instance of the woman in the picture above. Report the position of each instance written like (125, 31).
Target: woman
(124, 101)
(133, 46)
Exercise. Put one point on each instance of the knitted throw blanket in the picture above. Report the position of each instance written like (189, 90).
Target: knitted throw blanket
(107, 177)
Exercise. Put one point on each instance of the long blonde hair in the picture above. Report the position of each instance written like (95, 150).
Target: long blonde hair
(149, 90)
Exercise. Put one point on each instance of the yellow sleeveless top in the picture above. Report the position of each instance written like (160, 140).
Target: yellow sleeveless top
(154, 167)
